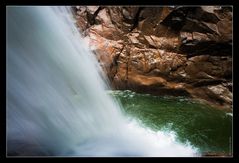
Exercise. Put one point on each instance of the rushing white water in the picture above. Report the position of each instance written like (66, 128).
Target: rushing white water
(56, 99)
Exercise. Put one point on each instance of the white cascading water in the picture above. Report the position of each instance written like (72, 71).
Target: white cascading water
(57, 103)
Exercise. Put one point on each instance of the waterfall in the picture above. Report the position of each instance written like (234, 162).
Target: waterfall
(57, 104)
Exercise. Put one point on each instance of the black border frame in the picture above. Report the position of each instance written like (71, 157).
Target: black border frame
(233, 3)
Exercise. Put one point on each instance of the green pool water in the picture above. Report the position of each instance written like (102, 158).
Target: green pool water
(206, 128)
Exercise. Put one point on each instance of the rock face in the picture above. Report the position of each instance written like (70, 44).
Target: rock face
(163, 50)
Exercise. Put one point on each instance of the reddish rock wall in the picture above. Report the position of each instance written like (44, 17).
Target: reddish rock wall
(163, 50)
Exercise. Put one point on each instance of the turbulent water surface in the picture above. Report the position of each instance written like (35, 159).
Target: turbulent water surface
(57, 104)
(206, 128)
